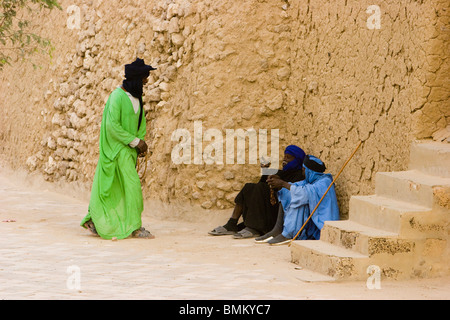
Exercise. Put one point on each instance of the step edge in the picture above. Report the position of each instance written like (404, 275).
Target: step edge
(358, 227)
(415, 176)
(328, 249)
(386, 202)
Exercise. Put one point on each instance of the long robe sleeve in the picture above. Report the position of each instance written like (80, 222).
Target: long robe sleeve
(299, 195)
(119, 124)
(113, 124)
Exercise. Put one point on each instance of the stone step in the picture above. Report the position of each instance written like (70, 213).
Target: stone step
(430, 157)
(412, 186)
(330, 260)
(363, 239)
(386, 214)
(401, 231)
(339, 263)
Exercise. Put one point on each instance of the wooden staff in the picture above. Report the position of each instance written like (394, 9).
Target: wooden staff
(138, 165)
(301, 229)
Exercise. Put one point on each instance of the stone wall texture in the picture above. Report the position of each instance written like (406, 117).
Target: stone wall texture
(315, 70)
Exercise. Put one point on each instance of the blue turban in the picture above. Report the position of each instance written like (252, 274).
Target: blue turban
(314, 168)
(298, 154)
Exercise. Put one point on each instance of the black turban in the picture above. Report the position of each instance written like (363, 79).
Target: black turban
(314, 164)
(137, 70)
(134, 73)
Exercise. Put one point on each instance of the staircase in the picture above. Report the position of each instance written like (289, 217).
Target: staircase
(403, 229)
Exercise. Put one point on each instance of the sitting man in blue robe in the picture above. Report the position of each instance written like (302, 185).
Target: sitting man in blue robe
(300, 198)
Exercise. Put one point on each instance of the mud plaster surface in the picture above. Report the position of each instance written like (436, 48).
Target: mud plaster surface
(312, 70)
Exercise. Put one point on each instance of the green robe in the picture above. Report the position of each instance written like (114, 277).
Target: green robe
(116, 200)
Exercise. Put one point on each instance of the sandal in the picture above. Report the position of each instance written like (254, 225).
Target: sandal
(246, 233)
(221, 231)
(142, 233)
(91, 227)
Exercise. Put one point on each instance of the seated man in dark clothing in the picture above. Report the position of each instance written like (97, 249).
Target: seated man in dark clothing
(254, 202)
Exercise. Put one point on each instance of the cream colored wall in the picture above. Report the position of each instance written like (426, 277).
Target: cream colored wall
(312, 69)
(382, 86)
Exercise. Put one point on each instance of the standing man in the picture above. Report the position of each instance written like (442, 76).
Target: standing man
(116, 202)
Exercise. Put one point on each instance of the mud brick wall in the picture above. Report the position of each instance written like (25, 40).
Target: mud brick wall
(323, 73)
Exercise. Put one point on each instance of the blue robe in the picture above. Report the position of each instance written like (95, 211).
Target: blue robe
(302, 198)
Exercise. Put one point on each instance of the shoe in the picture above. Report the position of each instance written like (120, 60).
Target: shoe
(263, 239)
(279, 240)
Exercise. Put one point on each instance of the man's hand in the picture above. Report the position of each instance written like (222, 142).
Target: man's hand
(265, 165)
(141, 147)
(276, 183)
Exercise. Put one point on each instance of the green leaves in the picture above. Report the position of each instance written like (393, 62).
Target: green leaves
(16, 36)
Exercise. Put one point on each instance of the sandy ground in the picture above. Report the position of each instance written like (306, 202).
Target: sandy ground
(45, 254)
